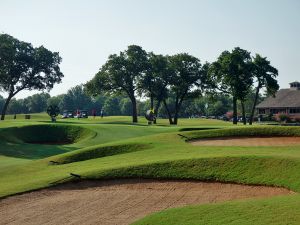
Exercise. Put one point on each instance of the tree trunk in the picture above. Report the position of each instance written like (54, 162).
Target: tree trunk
(5, 107)
(243, 112)
(168, 111)
(156, 110)
(151, 102)
(176, 111)
(254, 104)
(234, 110)
(134, 109)
(175, 118)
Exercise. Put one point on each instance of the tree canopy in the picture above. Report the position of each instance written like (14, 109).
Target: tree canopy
(265, 76)
(187, 80)
(231, 74)
(120, 75)
(24, 67)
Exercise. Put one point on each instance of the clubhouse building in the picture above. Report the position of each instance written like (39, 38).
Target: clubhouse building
(286, 101)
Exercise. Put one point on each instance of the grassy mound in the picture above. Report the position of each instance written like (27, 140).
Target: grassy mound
(45, 134)
(98, 152)
(275, 211)
(271, 171)
(265, 131)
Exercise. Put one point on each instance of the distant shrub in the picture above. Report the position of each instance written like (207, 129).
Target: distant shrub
(283, 117)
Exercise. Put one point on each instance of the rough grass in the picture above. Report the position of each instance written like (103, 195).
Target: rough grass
(265, 131)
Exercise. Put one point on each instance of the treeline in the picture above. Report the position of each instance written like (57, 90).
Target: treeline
(171, 83)
(173, 80)
(113, 105)
(76, 98)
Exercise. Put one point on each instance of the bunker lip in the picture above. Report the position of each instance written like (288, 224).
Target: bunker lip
(47, 134)
(119, 201)
(50, 143)
(248, 141)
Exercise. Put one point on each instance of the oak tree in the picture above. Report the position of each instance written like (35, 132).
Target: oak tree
(24, 67)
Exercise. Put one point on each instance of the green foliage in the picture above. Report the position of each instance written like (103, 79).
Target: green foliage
(111, 106)
(188, 74)
(282, 117)
(25, 67)
(265, 76)
(154, 82)
(75, 99)
(53, 111)
(120, 74)
(231, 74)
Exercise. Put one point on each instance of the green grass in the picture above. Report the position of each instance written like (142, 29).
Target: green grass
(262, 131)
(112, 147)
(98, 152)
(277, 210)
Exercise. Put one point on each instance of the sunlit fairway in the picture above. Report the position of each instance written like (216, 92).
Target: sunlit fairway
(112, 147)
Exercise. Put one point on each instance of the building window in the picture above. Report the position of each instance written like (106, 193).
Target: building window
(294, 110)
(261, 111)
(276, 111)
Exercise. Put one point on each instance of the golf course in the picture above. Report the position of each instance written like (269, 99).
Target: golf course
(78, 170)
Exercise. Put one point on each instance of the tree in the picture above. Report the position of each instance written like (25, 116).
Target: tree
(37, 102)
(16, 106)
(53, 112)
(2, 102)
(111, 106)
(187, 80)
(125, 106)
(120, 75)
(231, 74)
(24, 67)
(265, 76)
(218, 104)
(154, 82)
(55, 100)
(76, 98)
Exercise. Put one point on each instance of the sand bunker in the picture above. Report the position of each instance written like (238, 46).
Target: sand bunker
(248, 141)
(119, 201)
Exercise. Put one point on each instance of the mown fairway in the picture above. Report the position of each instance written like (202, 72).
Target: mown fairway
(114, 148)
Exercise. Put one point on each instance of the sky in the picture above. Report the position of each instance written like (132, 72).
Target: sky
(86, 32)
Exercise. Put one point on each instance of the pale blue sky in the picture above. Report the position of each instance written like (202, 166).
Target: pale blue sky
(86, 32)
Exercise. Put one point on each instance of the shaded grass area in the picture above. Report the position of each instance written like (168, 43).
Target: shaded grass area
(39, 141)
(48, 134)
(98, 152)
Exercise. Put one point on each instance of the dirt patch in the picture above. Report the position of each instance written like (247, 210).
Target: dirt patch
(118, 201)
(248, 141)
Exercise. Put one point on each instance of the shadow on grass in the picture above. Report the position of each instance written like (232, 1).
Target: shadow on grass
(32, 151)
(197, 128)
(78, 122)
